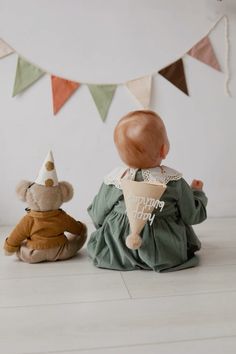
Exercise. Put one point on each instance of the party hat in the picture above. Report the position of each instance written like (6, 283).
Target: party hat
(47, 175)
(140, 199)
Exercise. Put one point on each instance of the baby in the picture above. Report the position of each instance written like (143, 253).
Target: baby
(169, 243)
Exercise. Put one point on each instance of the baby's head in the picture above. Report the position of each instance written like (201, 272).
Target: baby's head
(141, 139)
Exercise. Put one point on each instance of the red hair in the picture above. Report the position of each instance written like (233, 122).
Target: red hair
(140, 137)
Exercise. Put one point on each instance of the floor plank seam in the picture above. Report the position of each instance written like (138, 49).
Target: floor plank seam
(126, 286)
(118, 300)
(92, 349)
(54, 276)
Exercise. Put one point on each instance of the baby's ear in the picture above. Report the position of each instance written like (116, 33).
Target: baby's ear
(21, 189)
(164, 150)
(67, 191)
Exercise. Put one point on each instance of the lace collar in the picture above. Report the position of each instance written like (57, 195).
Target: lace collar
(161, 174)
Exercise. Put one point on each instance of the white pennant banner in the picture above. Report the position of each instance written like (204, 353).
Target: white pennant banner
(141, 89)
(5, 49)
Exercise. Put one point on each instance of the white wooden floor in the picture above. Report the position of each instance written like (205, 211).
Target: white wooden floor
(73, 307)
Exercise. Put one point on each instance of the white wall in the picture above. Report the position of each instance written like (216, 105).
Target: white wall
(114, 41)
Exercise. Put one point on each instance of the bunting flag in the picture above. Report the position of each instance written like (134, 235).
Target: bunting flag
(26, 75)
(175, 74)
(102, 96)
(62, 89)
(141, 89)
(5, 49)
(204, 52)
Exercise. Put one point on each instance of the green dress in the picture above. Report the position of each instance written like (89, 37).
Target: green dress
(168, 244)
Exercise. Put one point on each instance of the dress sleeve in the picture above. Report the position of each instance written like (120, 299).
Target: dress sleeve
(103, 203)
(19, 234)
(192, 204)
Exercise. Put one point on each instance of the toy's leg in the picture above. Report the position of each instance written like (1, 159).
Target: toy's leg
(29, 255)
(75, 243)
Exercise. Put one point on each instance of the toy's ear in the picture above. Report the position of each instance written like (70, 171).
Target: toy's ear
(21, 189)
(67, 191)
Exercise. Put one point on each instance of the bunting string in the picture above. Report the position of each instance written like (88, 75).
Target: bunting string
(227, 50)
(27, 73)
(227, 54)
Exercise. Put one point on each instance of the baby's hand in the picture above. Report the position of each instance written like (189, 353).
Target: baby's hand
(197, 184)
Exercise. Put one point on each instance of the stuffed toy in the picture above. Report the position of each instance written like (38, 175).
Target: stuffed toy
(144, 210)
(40, 234)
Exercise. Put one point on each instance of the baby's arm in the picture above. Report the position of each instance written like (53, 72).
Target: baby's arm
(192, 202)
(19, 234)
(103, 203)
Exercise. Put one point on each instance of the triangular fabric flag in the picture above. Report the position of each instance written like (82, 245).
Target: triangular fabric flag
(175, 74)
(204, 52)
(62, 89)
(102, 96)
(141, 89)
(26, 75)
(141, 198)
(5, 49)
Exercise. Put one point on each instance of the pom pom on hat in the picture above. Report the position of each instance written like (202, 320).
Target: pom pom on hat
(47, 175)
(133, 241)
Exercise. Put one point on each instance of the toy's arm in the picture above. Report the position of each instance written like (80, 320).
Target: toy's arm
(192, 204)
(19, 234)
(103, 203)
(73, 226)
